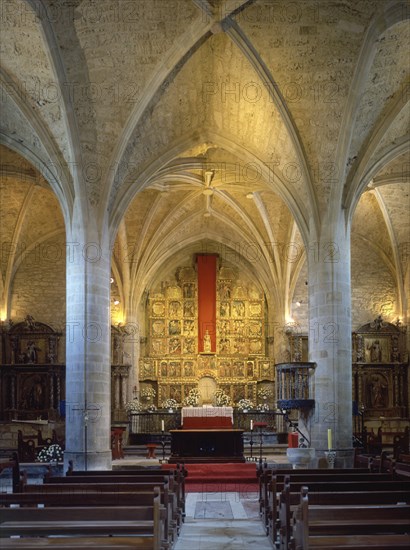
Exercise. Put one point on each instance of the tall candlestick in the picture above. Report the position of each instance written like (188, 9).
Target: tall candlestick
(329, 439)
(251, 425)
(162, 425)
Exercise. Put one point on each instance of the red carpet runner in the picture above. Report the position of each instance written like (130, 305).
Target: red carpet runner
(231, 477)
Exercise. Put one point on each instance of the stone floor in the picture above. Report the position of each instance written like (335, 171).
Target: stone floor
(222, 521)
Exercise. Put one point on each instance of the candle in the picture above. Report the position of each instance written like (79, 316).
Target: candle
(162, 425)
(251, 425)
(329, 439)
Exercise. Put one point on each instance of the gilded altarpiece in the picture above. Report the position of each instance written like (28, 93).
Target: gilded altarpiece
(380, 370)
(173, 365)
(32, 381)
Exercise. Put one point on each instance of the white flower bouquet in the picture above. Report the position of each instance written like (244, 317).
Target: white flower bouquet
(263, 407)
(221, 398)
(170, 404)
(245, 404)
(193, 397)
(148, 392)
(133, 406)
(51, 453)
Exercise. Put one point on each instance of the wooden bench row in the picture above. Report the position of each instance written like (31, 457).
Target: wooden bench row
(342, 498)
(399, 467)
(266, 475)
(11, 462)
(353, 526)
(97, 493)
(62, 527)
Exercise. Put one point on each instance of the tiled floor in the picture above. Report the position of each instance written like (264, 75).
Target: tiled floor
(222, 521)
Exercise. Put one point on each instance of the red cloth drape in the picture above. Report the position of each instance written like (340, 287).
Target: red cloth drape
(206, 264)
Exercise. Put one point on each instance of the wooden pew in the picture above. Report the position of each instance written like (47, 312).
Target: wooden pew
(169, 500)
(339, 526)
(265, 475)
(175, 491)
(402, 470)
(178, 472)
(143, 525)
(79, 543)
(12, 462)
(273, 517)
(312, 477)
(404, 458)
(32, 499)
(351, 486)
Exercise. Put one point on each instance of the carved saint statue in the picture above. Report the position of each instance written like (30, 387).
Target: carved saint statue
(207, 342)
(378, 394)
(375, 352)
(31, 353)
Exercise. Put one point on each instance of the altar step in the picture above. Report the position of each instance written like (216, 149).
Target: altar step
(207, 460)
(140, 451)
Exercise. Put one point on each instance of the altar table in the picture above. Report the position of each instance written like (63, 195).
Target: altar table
(207, 445)
(206, 412)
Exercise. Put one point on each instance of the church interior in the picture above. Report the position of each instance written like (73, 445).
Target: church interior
(204, 204)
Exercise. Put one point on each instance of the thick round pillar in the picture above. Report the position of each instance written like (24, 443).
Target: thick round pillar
(88, 365)
(330, 342)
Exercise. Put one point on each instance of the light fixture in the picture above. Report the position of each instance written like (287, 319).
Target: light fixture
(111, 280)
(116, 302)
(249, 196)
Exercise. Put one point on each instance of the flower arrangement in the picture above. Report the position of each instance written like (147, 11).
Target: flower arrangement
(148, 392)
(170, 404)
(221, 398)
(52, 453)
(151, 408)
(245, 404)
(193, 397)
(264, 393)
(133, 406)
(263, 407)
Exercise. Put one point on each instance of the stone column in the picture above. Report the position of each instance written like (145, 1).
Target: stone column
(131, 352)
(88, 368)
(330, 339)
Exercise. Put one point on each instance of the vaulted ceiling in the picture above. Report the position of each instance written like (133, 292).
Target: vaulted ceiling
(207, 125)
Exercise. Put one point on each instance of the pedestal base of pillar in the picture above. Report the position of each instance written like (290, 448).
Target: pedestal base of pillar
(93, 461)
(330, 457)
(300, 457)
(344, 458)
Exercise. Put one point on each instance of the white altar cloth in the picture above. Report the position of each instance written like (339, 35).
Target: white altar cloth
(203, 412)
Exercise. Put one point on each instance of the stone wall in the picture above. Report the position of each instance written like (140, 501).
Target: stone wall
(39, 286)
(373, 286)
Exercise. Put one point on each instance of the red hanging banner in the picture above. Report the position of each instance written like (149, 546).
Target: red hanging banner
(206, 264)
